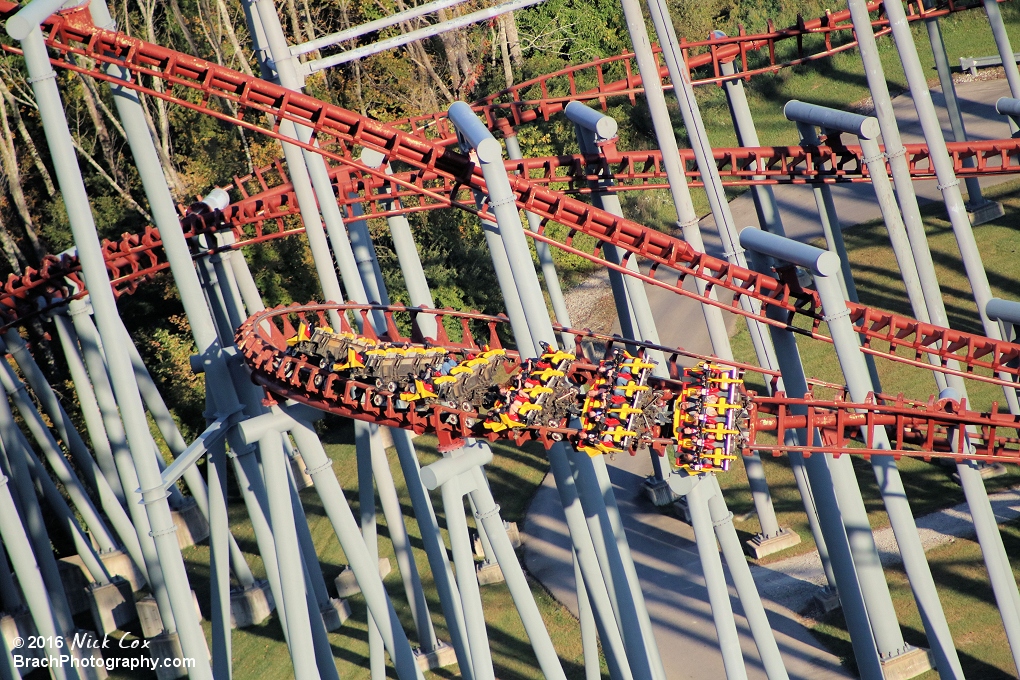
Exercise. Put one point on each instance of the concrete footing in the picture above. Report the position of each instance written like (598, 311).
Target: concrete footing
(251, 606)
(488, 573)
(681, 510)
(984, 212)
(86, 649)
(335, 613)
(760, 546)
(149, 618)
(828, 599)
(112, 605)
(440, 657)
(192, 527)
(511, 532)
(658, 492)
(117, 563)
(347, 585)
(908, 664)
(166, 650)
(301, 477)
(988, 471)
(19, 626)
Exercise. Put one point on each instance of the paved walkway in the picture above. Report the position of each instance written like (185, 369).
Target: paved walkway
(663, 547)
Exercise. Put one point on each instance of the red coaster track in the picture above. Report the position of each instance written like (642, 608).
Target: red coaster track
(438, 174)
(916, 429)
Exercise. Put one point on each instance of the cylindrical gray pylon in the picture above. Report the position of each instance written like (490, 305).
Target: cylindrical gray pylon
(403, 554)
(502, 205)
(632, 664)
(129, 402)
(487, 516)
(715, 580)
(589, 629)
(687, 218)
(833, 231)
(421, 503)
(219, 561)
(949, 185)
(836, 539)
(31, 518)
(407, 252)
(18, 393)
(1006, 55)
(604, 544)
(95, 363)
(747, 591)
(87, 404)
(366, 503)
(545, 259)
(986, 526)
(30, 577)
(467, 581)
(66, 518)
(825, 267)
(320, 468)
(942, 66)
(288, 556)
(770, 219)
(698, 136)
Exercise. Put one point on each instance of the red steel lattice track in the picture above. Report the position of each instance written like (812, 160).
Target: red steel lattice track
(438, 174)
(916, 429)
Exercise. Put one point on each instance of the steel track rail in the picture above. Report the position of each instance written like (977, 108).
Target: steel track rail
(918, 429)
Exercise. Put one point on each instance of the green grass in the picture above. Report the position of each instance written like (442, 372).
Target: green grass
(969, 603)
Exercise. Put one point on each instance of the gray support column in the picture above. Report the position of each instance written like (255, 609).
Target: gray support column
(29, 575)
(48, 490)
(771, 221)
(89, 409)
(503, 207)
(390, 505)
(488, 516)
(249, 479)
(366, 503)
(33, 522)
(545, 259)
(407, 252)
(467, 581)
(747, 591)
(98, 282)
(836, 537)
(996, 559)
(981, 209)
(867, 130)
(219, 561)
(442, 573)
(320, 468)
(825, 267)
(942, 163)
(1002, 44)
(715, 580)
(687, 218)
(17, 392)
(96, 365)
(288, 556)
(589, 630)
(633, 663)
